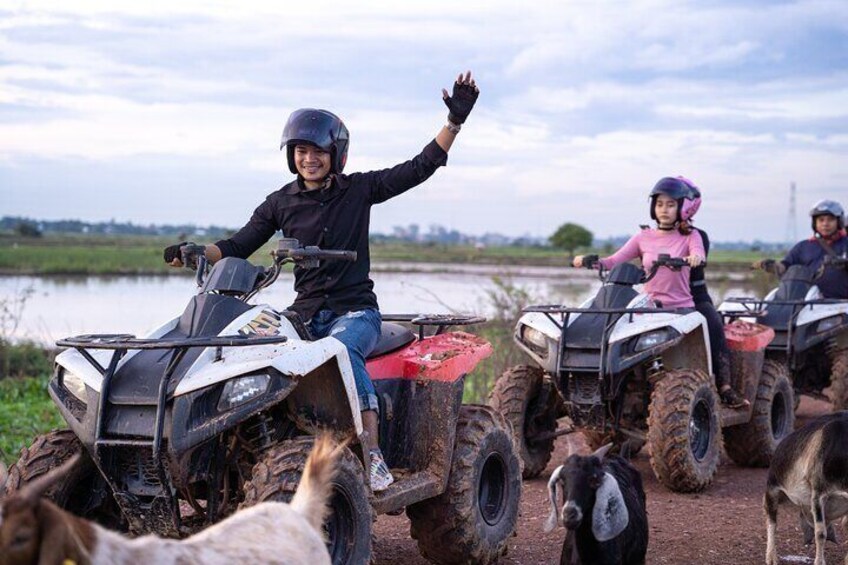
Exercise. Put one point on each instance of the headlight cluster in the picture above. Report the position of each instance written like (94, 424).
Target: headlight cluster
(534, 339)
(828, 324)
(74, 384)
(243, 389)
(654, 338)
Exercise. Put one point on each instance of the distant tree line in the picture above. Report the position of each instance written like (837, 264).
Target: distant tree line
(29, 227)
(569, 237)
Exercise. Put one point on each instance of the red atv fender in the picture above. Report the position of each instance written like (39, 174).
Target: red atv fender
(445, 358)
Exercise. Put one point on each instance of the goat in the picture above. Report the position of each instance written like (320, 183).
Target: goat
(33, 530)
(610, 492)
(810, 470)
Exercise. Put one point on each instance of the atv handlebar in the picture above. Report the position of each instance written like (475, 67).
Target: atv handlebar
(289, 249)
(669, 262)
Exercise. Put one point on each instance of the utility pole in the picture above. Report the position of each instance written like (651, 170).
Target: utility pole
(791, 232)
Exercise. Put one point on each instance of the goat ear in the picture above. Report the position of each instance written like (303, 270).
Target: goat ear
(32, 491)
(610, 515)
(553, 493)
(601, 452)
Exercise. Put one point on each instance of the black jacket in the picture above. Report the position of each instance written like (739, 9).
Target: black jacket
(334, 218)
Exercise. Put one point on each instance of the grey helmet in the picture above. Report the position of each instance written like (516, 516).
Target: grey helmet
(831, 207)
(320, 128)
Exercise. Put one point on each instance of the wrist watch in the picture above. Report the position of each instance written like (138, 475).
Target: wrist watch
(453, 128)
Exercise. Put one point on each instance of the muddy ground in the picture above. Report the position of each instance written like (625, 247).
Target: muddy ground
(724, 525)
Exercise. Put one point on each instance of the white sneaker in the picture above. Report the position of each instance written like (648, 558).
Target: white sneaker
(381, 477)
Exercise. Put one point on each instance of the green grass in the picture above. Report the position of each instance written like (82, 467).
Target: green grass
(116, 255)
(26, 410)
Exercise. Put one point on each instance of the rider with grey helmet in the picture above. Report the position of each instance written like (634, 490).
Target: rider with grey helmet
(325, 207)
(829, 238)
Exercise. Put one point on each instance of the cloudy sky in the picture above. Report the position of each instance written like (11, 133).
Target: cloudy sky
(171, 111)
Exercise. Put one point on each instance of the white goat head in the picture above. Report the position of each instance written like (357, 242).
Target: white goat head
(587, 486)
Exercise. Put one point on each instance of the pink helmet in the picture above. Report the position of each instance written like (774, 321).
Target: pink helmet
(683, 190)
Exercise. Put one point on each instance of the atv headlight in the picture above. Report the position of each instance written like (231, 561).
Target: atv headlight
(243, 389)
(74, 384)
(828, 324)
(536, 340)
(654, 338)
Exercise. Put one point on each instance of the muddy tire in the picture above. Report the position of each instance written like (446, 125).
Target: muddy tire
(528, 402)
(472, 521)
(839, 380)
(82, 491)
(684, 431)
(773, 418)
(349, 527)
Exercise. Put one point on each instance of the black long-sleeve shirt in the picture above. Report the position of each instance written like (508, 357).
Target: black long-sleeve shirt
(337, 217)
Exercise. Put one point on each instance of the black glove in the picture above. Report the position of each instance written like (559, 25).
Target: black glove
(460, 104)
(767, 265)
(173, 252)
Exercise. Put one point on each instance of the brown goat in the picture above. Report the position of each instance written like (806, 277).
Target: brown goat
(34, 531)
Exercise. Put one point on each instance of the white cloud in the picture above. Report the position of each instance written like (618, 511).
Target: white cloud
(584, 105)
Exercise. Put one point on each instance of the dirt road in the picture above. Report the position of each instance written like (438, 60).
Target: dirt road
(724, 525)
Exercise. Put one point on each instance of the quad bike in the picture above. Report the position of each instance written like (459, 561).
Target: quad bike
(624, 369)
(218, 409)
(810, 332)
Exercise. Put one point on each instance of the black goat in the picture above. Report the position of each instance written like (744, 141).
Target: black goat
(810, 470)
(603, 510)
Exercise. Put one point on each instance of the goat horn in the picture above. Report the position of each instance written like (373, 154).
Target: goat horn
(37, 487)
(601, 452)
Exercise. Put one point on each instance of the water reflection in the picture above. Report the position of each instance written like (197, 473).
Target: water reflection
(62, 306)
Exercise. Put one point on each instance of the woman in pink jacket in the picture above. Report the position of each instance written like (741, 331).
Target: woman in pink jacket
(673, 203)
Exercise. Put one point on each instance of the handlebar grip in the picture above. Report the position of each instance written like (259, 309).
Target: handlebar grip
(590, 261)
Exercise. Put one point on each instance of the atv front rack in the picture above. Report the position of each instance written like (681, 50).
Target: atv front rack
(613, 315)
(440, 321)
(120, 344)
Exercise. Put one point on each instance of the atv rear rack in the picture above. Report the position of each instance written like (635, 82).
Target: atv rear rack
(440, 321)
(120, 344)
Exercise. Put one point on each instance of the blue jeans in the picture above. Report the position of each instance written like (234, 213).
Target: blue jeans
(359, 331)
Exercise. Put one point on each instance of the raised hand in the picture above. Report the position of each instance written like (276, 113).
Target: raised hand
(465, 93)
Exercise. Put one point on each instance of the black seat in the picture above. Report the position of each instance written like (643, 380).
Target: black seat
(392, 337)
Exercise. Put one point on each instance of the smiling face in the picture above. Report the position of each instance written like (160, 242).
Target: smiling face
(665, 209)
(826, 225)
(312, 163)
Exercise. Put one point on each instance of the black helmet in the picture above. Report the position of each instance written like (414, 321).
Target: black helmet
(679, 189)
(320, 128)
(830, 207)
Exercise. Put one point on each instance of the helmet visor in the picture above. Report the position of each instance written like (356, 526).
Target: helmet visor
(673, 188)
(315, 127)
(827, 207)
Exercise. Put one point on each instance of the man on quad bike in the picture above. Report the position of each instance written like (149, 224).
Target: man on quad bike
(324, 207)
(828, 239)
(674, 202)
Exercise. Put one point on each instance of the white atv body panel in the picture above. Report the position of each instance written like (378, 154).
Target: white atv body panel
(294, 357)
(625, 328)
(816, 312)
(809, 314)
(73, 361)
